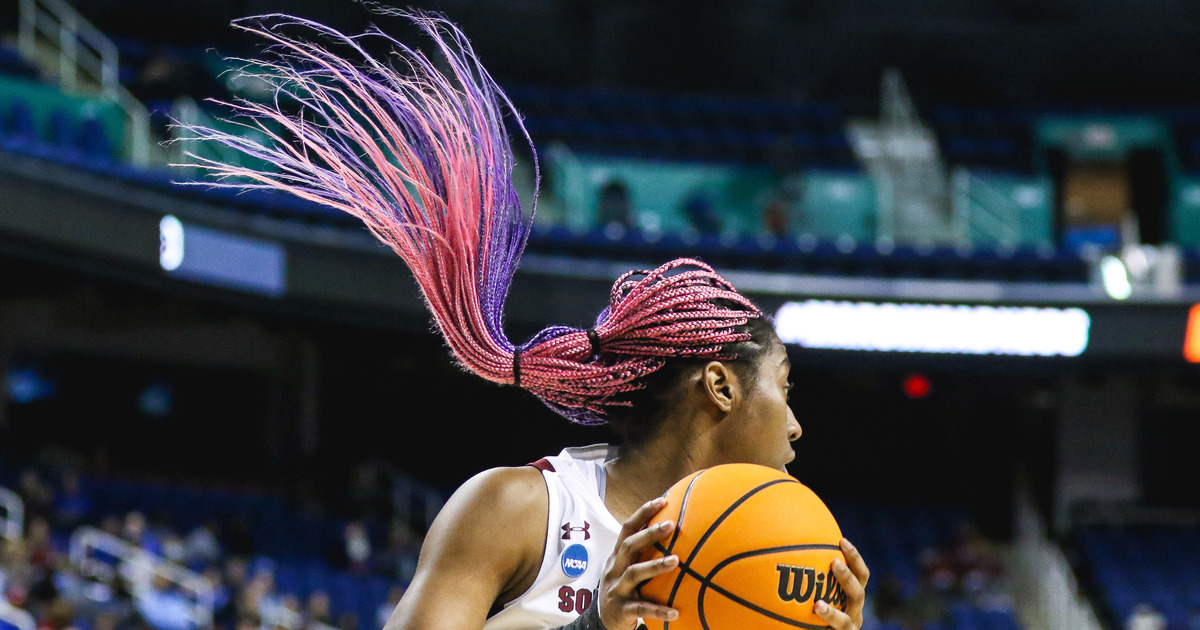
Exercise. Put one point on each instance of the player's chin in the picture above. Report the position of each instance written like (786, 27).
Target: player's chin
(787, 459)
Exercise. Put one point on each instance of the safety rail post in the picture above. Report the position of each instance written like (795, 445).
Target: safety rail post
(138, 567)
(83, 53)
(1049, 593)
(12, 515)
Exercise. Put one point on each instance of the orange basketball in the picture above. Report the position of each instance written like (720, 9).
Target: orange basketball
(755, 550)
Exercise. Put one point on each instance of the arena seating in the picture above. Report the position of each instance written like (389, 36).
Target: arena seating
(1155, 564)
(735, 141)
(297, 547)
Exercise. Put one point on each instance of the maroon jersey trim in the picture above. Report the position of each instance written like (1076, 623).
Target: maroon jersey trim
(543, 465)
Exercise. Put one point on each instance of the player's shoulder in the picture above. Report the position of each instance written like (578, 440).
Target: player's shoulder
(501, 511)
(502, 491)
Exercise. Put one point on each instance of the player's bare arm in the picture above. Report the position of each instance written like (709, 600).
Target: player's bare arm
(484, 548)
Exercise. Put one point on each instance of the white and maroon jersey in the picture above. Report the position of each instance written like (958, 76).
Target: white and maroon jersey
(580, 536)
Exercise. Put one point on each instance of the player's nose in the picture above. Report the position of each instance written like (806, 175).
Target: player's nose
(793, 426)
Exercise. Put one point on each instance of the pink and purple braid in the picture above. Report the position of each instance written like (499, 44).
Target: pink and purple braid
(423, 159)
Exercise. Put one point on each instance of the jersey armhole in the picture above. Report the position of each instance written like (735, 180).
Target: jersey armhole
(543, 465)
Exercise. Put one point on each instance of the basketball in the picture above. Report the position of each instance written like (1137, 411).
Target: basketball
(755, 550)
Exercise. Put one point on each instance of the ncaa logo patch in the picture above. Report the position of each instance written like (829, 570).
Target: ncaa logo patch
(574, 560)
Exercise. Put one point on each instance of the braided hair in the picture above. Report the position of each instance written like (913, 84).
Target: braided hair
(422, 157)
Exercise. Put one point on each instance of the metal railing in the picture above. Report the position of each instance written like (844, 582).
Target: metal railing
(12, 515)
(15, 616)
(1049, 592)
(84, 59)
(95, 553)
(901, 154)
(408, 497)
(281, 617)
(980, 211)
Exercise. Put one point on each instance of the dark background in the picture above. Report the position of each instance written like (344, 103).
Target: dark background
(1025, 53)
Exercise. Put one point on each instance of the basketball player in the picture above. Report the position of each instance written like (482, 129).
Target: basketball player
(687, 371)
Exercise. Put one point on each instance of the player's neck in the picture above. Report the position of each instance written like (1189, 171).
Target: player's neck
(641, 474)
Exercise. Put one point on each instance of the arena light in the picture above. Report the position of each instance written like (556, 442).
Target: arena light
(170, 243)
(1115, 278)
(1191, 337)
(951, 329)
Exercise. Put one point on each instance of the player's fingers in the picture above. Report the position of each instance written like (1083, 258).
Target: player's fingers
(639, 518)
(855, 561)
(836, 619)
(643, 571)
(632, 547)
(855, 592)
(646, 610)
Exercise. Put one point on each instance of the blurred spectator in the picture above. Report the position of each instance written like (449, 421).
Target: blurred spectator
(1146, 617)
(71, 506)
(224, 613)
(698, 209)
(319, 609)
(357, 547)
(59, 615)
(136, 531)
(399, 559)
(615, 207)
(172, 547)
(111, 525)
(38, 577)
(39, 547)
(201, 546)
(778, 213)
(105, 621)
(249, 622)
(16, 573)
(38, 497)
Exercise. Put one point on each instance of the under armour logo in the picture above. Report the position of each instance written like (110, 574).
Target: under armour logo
(568, 530)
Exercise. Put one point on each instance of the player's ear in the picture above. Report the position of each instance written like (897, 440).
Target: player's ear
(720, 385)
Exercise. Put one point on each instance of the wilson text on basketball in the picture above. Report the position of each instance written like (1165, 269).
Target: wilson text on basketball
(804, 584)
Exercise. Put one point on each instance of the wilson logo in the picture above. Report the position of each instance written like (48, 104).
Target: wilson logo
(804, 584)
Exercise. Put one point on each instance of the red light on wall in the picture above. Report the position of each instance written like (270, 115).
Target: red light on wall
(1191, 339)
(917, 386)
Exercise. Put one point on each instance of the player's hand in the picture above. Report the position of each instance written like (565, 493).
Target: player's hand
(852, 576)
(620, 605)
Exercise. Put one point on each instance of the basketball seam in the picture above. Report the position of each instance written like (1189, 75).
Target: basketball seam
(716, 523)
(682, 509)
(707, 583)
(674, 537)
